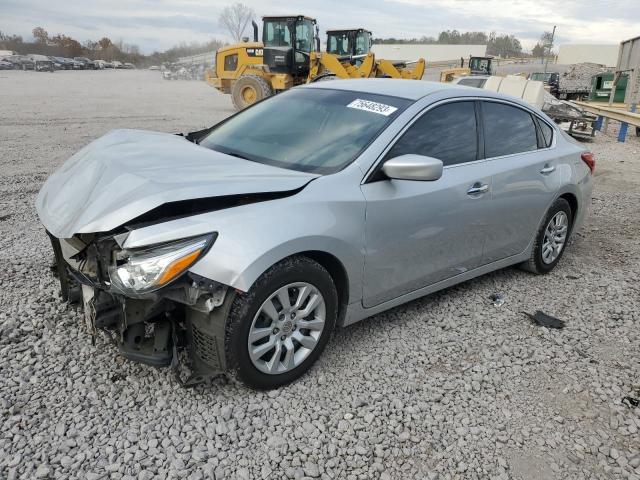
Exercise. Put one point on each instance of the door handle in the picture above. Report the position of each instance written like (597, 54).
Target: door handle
(547, 169)
(478, 188)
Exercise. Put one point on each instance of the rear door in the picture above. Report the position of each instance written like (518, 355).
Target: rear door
(520, 156)
(421, 232)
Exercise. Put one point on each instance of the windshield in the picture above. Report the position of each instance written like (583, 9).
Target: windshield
(481, 64)
(338, 44)
(308, 129)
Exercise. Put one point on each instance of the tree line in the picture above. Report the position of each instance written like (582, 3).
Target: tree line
(61, 45)
(503, 45)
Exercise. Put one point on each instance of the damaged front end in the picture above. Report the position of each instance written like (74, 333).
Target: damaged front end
(154, 310)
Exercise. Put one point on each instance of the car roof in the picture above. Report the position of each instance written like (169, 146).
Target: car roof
(413, 89)
(409, 89)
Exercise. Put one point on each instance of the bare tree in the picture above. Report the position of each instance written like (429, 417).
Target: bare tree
(235, 19)
(40, 34)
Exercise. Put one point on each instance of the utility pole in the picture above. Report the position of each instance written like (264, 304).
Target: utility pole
(553, 34)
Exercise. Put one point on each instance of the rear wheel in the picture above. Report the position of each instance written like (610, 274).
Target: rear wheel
(551, 238)
(249, 89)
(278, 329)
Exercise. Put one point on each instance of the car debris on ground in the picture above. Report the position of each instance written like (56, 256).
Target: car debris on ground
(542, 319)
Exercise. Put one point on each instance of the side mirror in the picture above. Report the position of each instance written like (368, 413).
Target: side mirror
(413, 167)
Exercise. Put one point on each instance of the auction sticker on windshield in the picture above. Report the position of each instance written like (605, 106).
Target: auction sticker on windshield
(373, 107)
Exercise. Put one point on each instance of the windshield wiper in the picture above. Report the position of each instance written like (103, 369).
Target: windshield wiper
(237, 155)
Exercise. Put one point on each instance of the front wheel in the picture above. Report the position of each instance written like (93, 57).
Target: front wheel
(249, 89)
(278, 329)
(551, 238)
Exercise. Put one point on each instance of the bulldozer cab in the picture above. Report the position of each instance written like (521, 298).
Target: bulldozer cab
(288, 43)
(480, 65)
(348, 42)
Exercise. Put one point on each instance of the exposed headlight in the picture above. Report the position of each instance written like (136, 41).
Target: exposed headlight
(146, 270)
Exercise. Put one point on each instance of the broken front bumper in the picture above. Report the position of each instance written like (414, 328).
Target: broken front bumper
(181, 325)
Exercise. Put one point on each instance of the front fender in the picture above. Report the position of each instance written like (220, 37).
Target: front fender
(327, 216)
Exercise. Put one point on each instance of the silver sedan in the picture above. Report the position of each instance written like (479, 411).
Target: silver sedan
(237, 249)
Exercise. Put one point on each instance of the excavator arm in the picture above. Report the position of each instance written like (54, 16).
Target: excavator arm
(325, 64)
(386, 68)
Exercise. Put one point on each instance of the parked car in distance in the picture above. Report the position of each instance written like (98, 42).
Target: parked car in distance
(58, 64)
(154, 67)
(87, 63)
(6, 65)
(117, 64)
(129, 66)
(317, 207)
(70, 63)
(42, 63)
(99, 64)
(21, 62)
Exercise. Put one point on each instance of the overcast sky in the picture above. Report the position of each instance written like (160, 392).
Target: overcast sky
(160, 24)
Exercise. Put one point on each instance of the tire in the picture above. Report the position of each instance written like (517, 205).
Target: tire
(247, 312)
(249, 89)
(537, 263)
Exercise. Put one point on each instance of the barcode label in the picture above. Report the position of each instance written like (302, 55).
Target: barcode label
(373, 107)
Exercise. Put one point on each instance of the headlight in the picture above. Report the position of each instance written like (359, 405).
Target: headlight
(145, 270)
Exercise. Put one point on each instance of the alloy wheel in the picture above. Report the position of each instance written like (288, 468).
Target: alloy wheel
(286, 328)
(555, 237)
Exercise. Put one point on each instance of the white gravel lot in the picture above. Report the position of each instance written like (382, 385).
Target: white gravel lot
(447, 387)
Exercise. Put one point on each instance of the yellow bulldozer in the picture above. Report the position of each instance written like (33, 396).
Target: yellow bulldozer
(290, 55)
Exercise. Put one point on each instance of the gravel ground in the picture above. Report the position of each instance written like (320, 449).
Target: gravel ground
(449, 386)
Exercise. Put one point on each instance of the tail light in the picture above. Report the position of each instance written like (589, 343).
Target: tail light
(590, 160)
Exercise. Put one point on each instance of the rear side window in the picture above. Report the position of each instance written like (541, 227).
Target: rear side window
(507, 130)
(231, 62)
(547, 133)
(447, 132)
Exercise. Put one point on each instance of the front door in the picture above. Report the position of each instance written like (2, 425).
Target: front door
(421, 232)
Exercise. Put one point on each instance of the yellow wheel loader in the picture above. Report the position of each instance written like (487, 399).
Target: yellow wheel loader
(290, 55)
(352, 47)
(477, 66)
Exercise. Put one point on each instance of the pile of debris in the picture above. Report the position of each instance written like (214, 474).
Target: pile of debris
(560, 108)
(578, 76)
(569, 117)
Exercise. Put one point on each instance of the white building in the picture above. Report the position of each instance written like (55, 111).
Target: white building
(431, 53)
(570, 53)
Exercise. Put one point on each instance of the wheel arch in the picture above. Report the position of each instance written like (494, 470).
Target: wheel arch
(572, 200)
(339, 275)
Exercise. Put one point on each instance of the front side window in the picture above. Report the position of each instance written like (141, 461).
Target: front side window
(447, 132)
(277, 34)
(307, 129)
(304, 36)
(231, 62)
(507, 130)
(362, 43)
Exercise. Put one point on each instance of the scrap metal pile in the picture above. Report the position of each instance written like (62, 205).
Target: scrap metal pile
(571, 118)
(577, 78)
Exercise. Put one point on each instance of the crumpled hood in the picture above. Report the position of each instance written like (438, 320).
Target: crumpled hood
(126, 173)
